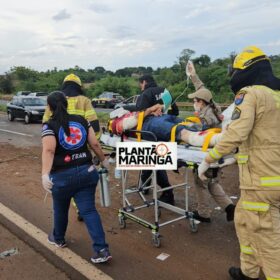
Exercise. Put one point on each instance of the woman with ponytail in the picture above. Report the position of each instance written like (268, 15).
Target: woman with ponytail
(67, 171)
(210, 116)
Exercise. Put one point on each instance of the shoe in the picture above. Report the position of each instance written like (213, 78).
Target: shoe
(167, 197)
(230, 212)
(102, 256)
(236, 274)
(196, 216)
(59, 244)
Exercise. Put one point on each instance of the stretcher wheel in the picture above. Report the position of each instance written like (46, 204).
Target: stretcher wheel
(156, 240)
(122, 222)
(193, 226)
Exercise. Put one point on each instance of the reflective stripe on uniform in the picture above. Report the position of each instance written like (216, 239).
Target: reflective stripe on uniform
(255, 206)
(215, 154)
(242, 159)
(89, 113)
(271, 278)
(246, 250)
(76, 112)
(270, 181)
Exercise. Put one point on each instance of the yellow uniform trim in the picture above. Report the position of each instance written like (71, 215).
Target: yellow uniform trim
(242, 159)
(270, 181)
(215, 154)
(255, 206)
(140, 124)
(246, 250)
(271, 278)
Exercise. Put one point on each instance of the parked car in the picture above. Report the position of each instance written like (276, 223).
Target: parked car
(128, 104)
(26, 107)
(20, 93)
(39, 94)
(107, 100)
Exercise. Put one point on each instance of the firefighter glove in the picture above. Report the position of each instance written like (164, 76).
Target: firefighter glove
(203, 167)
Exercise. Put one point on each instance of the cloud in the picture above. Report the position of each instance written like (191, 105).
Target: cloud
(62, 15)
(123, 31)
(100, 8)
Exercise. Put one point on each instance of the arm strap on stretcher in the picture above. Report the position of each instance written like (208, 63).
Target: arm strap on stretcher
(140, 124)
(188, 121)
(209, 135)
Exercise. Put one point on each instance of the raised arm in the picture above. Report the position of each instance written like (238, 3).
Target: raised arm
(190, 71)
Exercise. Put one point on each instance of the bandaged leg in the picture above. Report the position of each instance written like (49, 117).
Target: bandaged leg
(197, 138)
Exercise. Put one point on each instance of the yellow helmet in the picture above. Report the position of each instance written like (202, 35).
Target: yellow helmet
(73, 78)
(248, 56)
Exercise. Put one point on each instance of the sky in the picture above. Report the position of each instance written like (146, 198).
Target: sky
(115, 34)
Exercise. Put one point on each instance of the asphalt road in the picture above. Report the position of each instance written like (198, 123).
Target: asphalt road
(204, 255)
(19, 134)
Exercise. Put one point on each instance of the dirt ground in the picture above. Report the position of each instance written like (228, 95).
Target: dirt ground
(206, 254)
(26, 264)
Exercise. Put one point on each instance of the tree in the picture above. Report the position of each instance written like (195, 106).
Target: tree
(203, 60)
(6, 84)
(185, 56)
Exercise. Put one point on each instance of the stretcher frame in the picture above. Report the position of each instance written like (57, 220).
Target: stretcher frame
(127, 212)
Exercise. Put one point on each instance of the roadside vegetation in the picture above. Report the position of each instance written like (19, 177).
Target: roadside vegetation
(125, 80)
(3, 108)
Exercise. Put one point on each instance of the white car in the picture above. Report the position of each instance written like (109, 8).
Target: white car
(39, 94)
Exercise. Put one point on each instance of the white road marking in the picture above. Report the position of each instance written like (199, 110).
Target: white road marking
(18, 133)
(68, 256)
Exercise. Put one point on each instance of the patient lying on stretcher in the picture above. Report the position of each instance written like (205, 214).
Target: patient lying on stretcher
(166, 127)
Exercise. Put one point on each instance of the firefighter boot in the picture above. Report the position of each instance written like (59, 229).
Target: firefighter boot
(236, 274)
(230, 212)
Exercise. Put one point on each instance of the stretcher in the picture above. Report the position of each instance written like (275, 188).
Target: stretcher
(188, 157)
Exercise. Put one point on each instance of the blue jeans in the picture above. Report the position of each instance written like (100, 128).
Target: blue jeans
(161, 126)
(79, 183)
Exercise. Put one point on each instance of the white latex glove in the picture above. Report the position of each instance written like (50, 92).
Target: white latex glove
(203, 167)
(47, 182)
(190, 70)
(227, 161)
(105, 163)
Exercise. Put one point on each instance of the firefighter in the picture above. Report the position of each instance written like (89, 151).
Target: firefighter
(255, 131)
(78, 104)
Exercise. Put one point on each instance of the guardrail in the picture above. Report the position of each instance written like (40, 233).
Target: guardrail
(190, 104)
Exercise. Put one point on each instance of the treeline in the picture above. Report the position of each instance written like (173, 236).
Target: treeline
(125, 80)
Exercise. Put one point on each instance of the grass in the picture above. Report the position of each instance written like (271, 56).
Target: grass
(3, 108)
(103, 117)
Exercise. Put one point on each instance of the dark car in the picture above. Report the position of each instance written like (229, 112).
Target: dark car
(128, 104)
(27, 108)
(107, 100)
